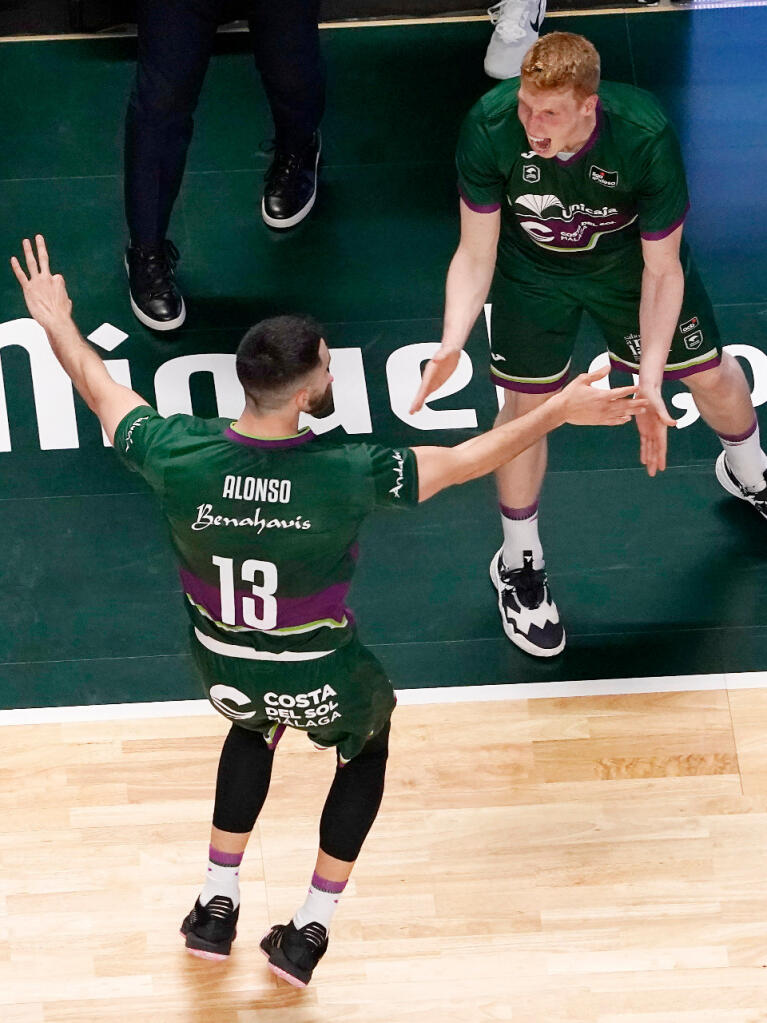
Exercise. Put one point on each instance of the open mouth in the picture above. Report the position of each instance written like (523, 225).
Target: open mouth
(539, 145)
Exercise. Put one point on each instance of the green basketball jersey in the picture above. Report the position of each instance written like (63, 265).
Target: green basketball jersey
(567, 215)
(265, 531)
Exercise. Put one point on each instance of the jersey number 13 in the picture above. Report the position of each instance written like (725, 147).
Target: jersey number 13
(265, 592)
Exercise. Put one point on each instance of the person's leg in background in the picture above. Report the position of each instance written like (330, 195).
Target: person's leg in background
(286, 46)
(175, 42)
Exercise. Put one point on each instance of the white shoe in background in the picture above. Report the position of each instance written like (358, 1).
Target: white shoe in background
(517, 23)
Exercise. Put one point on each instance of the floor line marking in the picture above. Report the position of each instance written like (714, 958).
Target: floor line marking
(506, 692)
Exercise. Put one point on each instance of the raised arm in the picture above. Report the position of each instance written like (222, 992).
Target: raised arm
(579, 403)
(468, 282)
(48, 302)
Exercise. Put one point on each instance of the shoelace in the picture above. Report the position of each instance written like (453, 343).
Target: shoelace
(219, 907)
(509, 18)
(315, 934)
(286, 165)
(528, 584)
(157, 267)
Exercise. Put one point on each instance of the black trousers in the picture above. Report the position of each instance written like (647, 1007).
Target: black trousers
(175, 42)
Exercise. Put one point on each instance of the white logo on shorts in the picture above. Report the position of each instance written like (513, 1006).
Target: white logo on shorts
(220, 692)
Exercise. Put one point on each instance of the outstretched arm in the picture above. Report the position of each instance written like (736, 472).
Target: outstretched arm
(48, 302)
(659, 306)
(579, 403)
(468, 283)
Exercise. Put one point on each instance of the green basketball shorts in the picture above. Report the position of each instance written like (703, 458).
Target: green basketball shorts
(339, 700)
(536, 314)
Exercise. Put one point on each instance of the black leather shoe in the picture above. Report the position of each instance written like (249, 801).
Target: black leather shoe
(154, 297)
(290, 186)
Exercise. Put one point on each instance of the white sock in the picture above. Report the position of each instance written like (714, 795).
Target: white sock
(222, 878)
(520, 534)
(321, 902)
(746, 458)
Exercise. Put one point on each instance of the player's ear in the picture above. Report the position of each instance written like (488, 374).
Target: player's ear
(590, 104)
(302, 399)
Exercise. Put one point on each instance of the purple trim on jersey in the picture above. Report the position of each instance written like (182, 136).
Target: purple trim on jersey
(670, 374)
(518, 514)
(588, 144)
(655, 236)
(476, 207)
(291, 611)
(266, 442)
(526, 387)
(738, 438)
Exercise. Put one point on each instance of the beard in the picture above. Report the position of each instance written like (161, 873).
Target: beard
(322, 405)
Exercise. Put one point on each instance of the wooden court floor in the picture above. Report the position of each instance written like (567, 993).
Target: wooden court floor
(583, 860)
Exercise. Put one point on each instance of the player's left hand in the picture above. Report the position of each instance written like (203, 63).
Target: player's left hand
(653, 430)
(45, 293)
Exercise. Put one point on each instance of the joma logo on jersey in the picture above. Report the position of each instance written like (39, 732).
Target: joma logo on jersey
(603, 177)
(531, 173)
(694, 341)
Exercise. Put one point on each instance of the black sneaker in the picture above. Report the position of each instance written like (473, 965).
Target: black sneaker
(154, 297)
(290, 186)
(529, 615)
(210, 930)
(294, 953)
(733, 486)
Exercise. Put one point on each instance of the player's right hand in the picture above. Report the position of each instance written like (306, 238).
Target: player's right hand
(44, 293)
(439, 368)
(585, 405)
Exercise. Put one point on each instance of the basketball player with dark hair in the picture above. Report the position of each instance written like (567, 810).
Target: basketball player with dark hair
(264, 519)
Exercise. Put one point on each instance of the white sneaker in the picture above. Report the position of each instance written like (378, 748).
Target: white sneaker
(733, 486)
(517, 23)
(528, 614)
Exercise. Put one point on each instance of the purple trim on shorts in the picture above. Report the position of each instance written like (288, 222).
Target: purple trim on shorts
(671, 374)
(588, 144)
(518, 514)
(272, 745)
(738, 438)
(476, 207)
(525, 387)
(266, 442)
(224, 859)
(655, 236)
(291, 611)
(323, 885)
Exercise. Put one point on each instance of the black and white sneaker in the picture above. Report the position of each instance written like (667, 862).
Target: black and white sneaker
(293, 953)
(290, 186)
(529, 615)
(210, 930)
(733, 486)
(154, 297)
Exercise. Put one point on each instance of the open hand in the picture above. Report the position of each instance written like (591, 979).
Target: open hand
(439, 368)
(653, 431)
(585, 405)
(45, 294)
